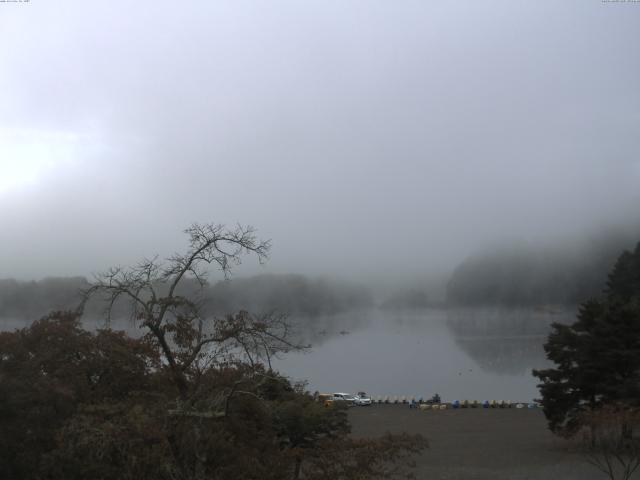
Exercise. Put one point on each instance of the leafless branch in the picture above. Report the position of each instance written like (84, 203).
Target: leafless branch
(610, 445)
(185, 337)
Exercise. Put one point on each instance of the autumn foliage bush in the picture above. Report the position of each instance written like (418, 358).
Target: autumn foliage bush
(76, 404)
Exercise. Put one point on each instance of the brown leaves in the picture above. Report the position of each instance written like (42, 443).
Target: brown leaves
(387, 457)
(51, 368)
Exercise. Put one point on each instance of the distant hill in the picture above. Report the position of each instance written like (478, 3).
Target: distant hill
(525, 274)
(295, 294)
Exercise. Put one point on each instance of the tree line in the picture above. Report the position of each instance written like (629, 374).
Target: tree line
(291, 293)
(523, 274)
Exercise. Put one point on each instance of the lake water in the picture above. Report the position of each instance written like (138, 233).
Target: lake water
(460, 354)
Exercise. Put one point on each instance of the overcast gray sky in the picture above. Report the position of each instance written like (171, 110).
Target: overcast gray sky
(363, 137)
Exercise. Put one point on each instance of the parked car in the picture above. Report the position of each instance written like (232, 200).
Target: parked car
(362, 399)
(344, 397)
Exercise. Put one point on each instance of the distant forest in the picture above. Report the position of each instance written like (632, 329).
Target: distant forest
(524, 274)
(294, 294)
(518, 274)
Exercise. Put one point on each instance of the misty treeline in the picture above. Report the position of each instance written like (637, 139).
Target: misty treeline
(287, 293)
(517, 274)
(526, 274)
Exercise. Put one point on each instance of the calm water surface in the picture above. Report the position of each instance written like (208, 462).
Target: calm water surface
(461, 354)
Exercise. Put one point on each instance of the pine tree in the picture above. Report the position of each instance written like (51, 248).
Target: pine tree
(597, 358)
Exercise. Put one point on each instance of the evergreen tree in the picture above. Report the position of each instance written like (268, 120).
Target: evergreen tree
(597, 358)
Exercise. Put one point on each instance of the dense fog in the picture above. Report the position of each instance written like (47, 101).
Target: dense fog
(382, 142)
(443, 162)
(218, 218)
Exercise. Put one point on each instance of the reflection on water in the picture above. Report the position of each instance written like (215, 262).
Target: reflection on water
(474, 354)
(504, 341)
(467, 353)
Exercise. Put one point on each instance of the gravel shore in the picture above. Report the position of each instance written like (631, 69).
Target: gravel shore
(479, 444)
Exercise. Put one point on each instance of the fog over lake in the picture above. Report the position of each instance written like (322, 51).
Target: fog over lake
(478, 153)
(399, 198)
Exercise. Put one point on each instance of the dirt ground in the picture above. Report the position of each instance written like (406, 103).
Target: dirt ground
(479, 444)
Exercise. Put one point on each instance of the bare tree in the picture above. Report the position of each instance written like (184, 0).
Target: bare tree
(189, 340)
(609, 443)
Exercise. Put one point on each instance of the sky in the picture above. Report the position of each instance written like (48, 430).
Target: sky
(364, 138)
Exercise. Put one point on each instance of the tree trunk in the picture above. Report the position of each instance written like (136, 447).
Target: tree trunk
(297, 468)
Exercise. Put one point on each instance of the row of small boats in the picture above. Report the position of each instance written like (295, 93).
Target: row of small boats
(423, 404)
(475, 404)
